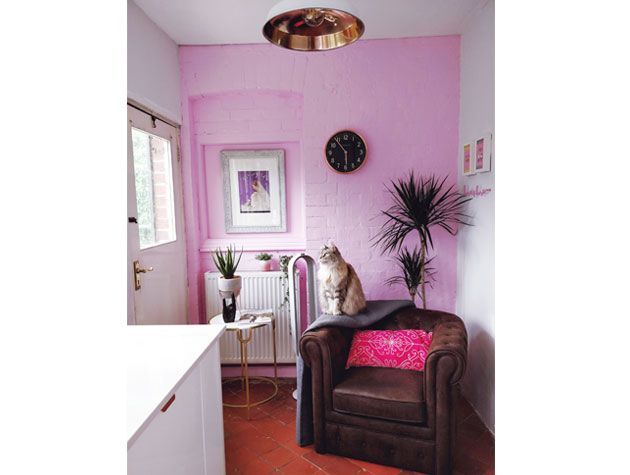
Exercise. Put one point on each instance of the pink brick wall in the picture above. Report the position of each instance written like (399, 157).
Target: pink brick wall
(402, 96)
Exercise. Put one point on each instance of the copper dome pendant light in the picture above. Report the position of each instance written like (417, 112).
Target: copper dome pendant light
(313, 25)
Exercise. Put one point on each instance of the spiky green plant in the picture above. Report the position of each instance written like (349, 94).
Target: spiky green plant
(419, 205)
(414, 271)
(226, 263)
(263, 256)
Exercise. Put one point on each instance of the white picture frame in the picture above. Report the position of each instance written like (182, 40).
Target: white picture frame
(482, 150)
(254, 191)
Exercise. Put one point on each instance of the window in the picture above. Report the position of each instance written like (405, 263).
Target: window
(154, 188)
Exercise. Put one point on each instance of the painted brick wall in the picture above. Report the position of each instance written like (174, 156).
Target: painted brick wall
(401, 95)
(229, 120)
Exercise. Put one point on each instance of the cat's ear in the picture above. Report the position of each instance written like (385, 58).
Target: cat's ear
(331, 245)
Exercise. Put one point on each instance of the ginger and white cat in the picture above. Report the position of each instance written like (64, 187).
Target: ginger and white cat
(340, 289)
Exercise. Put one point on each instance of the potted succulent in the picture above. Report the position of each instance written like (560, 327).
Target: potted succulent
(227, 264)
(265, 261)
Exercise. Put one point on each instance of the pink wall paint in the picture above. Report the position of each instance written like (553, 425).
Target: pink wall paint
(401, 95)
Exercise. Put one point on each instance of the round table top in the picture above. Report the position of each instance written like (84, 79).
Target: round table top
(244, 324)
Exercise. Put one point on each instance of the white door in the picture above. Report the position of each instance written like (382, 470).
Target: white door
(156, 247)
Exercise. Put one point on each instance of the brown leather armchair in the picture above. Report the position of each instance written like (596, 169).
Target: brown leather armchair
(393, 417)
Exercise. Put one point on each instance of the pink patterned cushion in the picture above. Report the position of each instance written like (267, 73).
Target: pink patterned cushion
(403, 349)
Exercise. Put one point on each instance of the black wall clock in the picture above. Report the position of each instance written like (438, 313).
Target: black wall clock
(345, 151)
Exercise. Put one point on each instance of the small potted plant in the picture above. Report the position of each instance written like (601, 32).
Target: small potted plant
(265, 261)
(227, 264)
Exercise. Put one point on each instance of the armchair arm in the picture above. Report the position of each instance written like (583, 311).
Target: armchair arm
(444, 367)
(333, 345)
(325, 352)
(449, 340)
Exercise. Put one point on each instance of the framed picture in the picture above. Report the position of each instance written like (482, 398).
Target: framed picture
(483, 153)
(467, 161)
(254, 191)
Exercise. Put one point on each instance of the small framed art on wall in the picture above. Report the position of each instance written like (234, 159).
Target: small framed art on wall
(467, 162)
(254, 191)
(477, 155)
(483, 153)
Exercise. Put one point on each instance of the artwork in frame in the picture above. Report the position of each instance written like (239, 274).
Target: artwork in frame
(483, 153)
(468, 168)
(254, 191)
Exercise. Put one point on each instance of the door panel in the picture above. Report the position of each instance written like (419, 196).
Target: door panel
(155, 229)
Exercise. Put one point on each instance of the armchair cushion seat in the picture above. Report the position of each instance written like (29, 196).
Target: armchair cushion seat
(383, 393)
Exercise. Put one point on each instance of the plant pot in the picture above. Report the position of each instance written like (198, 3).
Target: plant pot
(229, 309)
(230, 285)
(264, 265)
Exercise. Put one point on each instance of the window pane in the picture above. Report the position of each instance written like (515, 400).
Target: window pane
(154, 188)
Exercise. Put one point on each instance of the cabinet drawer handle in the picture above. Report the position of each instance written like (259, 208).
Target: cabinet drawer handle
(168, 404)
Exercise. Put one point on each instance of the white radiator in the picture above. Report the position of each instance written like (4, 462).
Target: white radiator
(260, 290)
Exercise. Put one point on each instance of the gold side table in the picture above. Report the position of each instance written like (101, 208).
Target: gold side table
(244, 332)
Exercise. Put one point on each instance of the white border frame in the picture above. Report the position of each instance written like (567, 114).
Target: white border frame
(487, 153)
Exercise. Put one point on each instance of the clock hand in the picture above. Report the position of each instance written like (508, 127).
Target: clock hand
(341, 145)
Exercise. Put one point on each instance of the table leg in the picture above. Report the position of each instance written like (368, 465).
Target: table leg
(247, 374)
(244, 338)
(239, 336)
(275, 362)
(244, 368)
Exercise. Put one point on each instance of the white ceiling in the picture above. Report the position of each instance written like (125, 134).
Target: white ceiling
(208, 22)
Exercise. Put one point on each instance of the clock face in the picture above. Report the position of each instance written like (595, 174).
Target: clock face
(345, 151)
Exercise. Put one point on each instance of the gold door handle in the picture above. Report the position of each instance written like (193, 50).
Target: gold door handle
(137, 270)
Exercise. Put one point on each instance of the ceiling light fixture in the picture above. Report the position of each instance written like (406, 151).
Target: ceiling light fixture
(313, 25)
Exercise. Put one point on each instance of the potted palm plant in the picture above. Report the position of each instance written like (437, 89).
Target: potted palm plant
(413, 271)
(226, 265)
(265, 261)
(419, 205)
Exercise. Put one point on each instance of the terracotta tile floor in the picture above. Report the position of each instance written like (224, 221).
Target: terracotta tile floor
(266, 443)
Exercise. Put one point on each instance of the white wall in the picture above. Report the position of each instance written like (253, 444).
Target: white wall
(475, 275)
(152, 65)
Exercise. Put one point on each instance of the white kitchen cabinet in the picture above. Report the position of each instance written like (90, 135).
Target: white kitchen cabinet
(212, 402)
(184, 437)
(172, 441)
